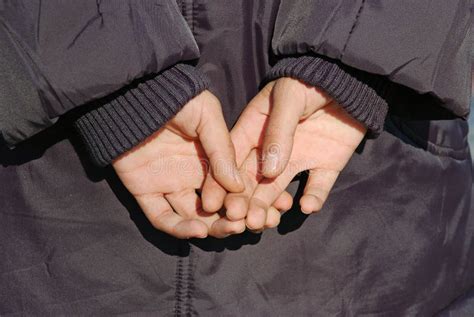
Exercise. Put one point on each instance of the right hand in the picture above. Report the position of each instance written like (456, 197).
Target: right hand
(288, 128)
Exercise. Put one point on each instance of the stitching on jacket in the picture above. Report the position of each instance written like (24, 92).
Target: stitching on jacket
(188, 305)
(184, 281)
(359, 12)
(189, 13)
(193, 17)
(179, 288)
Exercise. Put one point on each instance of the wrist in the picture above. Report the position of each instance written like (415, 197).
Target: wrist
(362, 95)
(130, 116)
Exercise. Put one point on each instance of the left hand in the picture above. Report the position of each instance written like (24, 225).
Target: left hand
(164, 171)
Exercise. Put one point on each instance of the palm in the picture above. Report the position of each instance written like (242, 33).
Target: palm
(168, 163)
(323, 140)
(164, 172)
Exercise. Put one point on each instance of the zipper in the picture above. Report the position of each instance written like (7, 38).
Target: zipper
(184, 287)
(188, 11)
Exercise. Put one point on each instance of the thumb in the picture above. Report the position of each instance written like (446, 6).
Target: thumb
(288, 102)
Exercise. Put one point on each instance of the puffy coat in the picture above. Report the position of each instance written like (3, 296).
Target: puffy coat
(84, 81)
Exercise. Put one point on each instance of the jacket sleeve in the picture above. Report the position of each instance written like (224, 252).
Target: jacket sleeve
(359, 48)
(124, 59)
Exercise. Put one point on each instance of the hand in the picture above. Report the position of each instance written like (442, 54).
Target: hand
(294, 128)
(164, 172)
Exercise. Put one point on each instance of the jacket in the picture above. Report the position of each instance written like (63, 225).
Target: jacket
(84, 81)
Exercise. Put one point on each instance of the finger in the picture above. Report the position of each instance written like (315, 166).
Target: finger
(273, 213)
(212, 195)
(257, 215)
(318, 186)
(162, 217)
(273, 218)
(216, 142)
(237, 204)
(272, 221)
(284, 201)
(248, 130)
(288, 103)
(269, 190)
(245, 136)
(223, 228)
(188, 204)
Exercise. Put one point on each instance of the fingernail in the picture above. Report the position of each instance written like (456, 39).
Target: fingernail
(237, 177)
(270, 160)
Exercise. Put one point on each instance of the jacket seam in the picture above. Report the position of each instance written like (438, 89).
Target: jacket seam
(189, 310)
(188, 12)
(359, 12)
(193, 17)
(184, 279)
(178, 295)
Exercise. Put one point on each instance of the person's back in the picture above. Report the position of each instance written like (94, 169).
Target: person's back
(80, 233)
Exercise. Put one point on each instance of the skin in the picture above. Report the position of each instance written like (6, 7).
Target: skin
(286, 129)
(164, 172)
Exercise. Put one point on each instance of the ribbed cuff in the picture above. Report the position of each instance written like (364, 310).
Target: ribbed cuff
(361, 94)
(135, 113)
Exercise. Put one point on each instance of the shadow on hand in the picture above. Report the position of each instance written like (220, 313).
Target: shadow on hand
(36, 146)
(291, 221)
(166, 243)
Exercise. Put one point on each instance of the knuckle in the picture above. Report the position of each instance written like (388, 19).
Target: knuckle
(259, 203)
(257, 222)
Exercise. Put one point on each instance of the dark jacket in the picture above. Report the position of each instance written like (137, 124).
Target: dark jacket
(395, 237)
